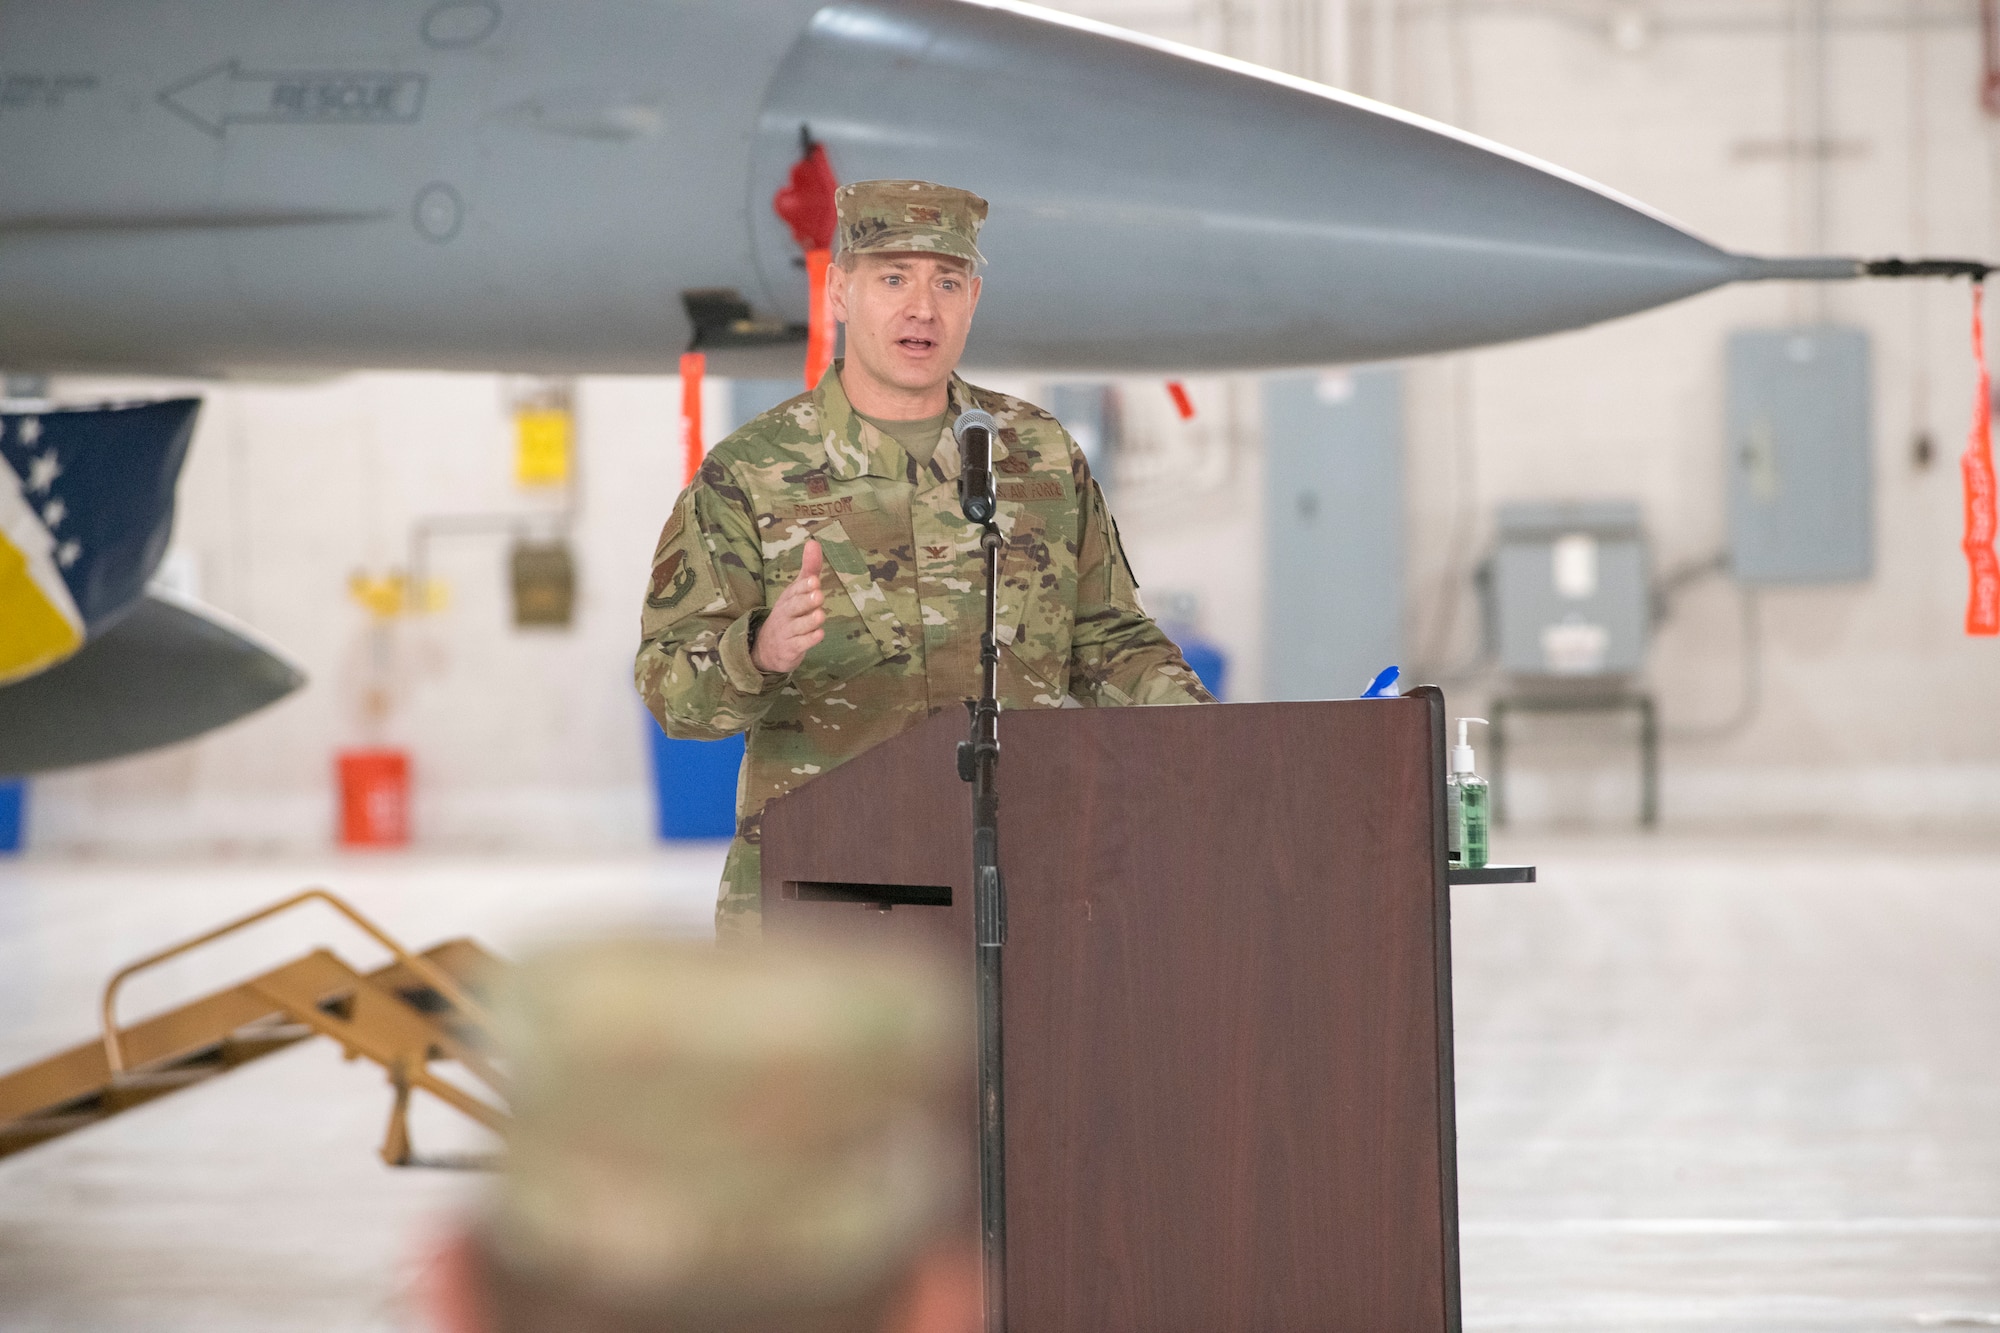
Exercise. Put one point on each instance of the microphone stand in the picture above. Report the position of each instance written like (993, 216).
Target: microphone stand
(978, 760)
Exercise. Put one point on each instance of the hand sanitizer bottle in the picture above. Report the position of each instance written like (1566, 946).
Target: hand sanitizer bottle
(1465, 802)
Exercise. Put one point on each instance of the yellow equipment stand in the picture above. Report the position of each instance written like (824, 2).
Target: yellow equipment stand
(404, 1016)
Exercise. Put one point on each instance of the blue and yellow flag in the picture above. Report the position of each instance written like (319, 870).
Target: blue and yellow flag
(86, 506)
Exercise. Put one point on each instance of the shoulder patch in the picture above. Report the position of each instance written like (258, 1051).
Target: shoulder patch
(673, 579)
(671, 531)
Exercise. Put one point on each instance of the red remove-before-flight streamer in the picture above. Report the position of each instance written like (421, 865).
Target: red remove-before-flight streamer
(805, 202)
(693, 364)
(1982, 507)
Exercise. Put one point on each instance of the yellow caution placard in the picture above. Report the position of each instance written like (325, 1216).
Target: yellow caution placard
(543, 440)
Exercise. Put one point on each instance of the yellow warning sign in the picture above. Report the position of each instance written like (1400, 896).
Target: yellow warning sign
(543, 438)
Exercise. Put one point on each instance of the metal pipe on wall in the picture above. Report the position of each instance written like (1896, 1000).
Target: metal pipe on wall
(1812, 134)
(1382, 19)
(1989, 47)
(1722, 16)
(1336, 39)
(1917, 77)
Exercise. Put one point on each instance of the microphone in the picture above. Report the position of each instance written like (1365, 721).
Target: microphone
(976, 493)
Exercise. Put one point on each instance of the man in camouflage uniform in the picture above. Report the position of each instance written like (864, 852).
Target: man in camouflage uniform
(743, 627)
(714, 1141)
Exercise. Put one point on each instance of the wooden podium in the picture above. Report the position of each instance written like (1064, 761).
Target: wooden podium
(1228, 999)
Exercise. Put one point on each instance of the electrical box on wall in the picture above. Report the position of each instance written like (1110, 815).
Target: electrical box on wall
(1090, 413)
(751, 398)
(1333, 519)
(1800, 482)
(543, 577)
(1569, 590)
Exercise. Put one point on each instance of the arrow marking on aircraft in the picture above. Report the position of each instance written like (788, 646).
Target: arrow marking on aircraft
(227, 94)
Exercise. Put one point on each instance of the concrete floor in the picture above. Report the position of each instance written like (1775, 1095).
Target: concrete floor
(255, 1203)
(1745, 1085)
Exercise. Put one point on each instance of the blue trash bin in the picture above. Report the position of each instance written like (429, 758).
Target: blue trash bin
(1209, 662)
(13, 814)
(694, 785)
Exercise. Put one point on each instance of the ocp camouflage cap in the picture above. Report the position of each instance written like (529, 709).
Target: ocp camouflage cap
(726, 1130)
(881, 216)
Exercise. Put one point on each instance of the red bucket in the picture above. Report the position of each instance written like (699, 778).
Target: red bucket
(374, 798)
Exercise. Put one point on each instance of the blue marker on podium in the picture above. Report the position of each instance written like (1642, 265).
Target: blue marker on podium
(1384, 685)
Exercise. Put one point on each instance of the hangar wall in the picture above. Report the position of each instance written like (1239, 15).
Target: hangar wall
(1873, 706)
(518, 737)
(1773, 126)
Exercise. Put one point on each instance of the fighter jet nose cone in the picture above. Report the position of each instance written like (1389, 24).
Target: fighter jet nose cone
(1182, 209)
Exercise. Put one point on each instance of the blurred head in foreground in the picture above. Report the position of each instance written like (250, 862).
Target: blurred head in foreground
(721, 1140)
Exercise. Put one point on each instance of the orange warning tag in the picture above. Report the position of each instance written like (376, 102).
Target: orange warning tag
(1982, 507)
(692, 366)
(819, 317)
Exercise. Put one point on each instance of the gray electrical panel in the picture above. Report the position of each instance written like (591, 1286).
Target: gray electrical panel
(1334, 531)
(1569, 590)
(750, 399)
(1090, 413)
(1800, 493)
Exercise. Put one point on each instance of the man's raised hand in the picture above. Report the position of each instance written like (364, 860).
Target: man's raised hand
(797, 620)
